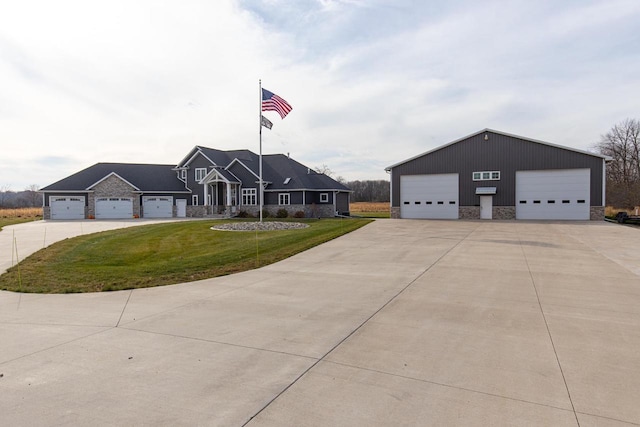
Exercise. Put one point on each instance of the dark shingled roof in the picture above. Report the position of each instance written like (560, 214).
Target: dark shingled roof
(275, 169)
(278, 167)
(148, 178)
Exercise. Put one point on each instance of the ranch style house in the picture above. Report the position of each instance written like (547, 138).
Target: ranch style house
(206, 182)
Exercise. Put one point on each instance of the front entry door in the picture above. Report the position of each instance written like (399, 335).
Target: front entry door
(486, 207)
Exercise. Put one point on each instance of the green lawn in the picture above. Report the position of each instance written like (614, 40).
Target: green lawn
(162, 254)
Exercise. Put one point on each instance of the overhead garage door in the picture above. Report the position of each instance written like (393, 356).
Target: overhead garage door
(157, 207)
(67, 207)
(429, 196)
(114, 208)
(553, 194)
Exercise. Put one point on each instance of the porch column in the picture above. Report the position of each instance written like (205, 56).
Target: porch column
(228, 194)
(206, 194)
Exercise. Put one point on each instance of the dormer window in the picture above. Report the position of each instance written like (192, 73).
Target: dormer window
(287, 180)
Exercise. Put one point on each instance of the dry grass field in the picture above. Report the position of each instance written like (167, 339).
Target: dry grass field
(29, 213)
(370, 209)
(15, 216)
(611, 211)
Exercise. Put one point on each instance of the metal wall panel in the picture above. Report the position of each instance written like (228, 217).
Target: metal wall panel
(502, 153)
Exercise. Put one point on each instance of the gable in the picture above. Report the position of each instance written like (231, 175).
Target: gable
(113, 180)
(514, 144)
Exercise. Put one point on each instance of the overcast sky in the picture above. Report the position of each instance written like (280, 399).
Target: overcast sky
(371, 82)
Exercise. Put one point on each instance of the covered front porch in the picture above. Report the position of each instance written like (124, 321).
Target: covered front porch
(221, 189)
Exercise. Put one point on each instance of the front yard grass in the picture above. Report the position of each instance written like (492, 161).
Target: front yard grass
(162, 254)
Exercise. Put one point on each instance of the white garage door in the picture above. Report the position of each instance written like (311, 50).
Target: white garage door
(429, 196)
(67, 207)
(157, 207)
(553, 194)
(114, 208)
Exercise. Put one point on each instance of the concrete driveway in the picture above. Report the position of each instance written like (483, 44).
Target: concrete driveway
(399, 323)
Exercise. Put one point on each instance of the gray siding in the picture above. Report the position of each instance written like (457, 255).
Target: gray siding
(500, 153)
(342, 202)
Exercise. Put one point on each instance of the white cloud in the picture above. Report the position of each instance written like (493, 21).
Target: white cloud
(371, 83)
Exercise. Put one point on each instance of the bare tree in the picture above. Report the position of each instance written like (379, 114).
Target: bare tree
(622, 144)
(31, 196)
(324, 169)
(4, 192)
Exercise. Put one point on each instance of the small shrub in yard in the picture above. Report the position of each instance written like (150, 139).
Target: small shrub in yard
(243, 214)
(282, 213)
(298, 214)
(265, 213)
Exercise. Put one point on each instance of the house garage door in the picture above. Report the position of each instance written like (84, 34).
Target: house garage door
(67, 207)
(553, 194)
(429, 196)
(114, 208)
(157, 207)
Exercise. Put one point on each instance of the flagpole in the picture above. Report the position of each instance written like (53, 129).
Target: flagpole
(260, 126)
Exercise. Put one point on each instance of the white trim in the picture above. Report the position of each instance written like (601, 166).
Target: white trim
(236, 160)
(482, 178)
(326, 197)
(251, 193)
(498, 133)
(194, 198)
(199, 171)
(288, 197)
(198, 150)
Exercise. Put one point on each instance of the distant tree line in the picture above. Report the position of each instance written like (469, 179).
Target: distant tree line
(29, 198)
(369, 191)
(622, 144)
(363, 191)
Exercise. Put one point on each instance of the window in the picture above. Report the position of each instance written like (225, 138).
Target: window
(416, 202)
(283, 199)
(194, 200)
(200, 173)
(324, 197)
(183, 174)
(287, 180)
(249, 196)
(486, 176)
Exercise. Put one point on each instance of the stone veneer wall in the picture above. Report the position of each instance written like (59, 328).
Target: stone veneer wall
(310, 211)
(469, 212)
(46, 212)
(113, 187)
(198, 211)
(596, 213)
(503, 212)
(395, 212)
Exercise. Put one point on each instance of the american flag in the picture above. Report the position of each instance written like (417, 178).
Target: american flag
(272, 102)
